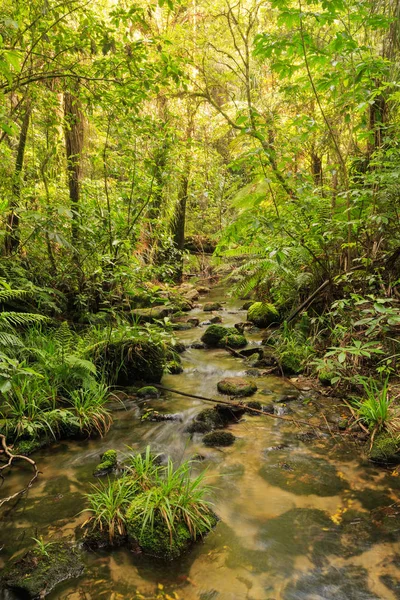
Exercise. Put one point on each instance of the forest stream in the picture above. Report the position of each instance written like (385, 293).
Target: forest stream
(302, 514)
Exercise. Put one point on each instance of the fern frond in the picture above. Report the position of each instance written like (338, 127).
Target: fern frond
(10, 340)
(14, 318)
(10, 295)
(82, 364)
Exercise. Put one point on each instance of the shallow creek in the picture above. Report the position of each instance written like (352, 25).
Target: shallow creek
(302, 517)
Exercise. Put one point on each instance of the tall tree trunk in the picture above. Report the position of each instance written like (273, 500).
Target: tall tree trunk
(73, 131)
(12, 238)
(178, 224)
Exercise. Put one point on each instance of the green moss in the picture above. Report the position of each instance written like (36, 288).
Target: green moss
(156, 541)
(27, 447)
(236, 386)
(233, 340)
(210, 306)
(385, 449)
(262, 314)
(148, 391)
(129, 360)
(36, 574)
(325, 377)
(218, 438)
(108, 463)
(290, 364)
(214, 334)
(149, 315)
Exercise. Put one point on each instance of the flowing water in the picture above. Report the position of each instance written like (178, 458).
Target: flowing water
(303, 517)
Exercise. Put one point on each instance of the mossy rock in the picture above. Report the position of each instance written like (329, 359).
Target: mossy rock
(385, 449)
(216, 319)
(262, 314)
(236, 386)
(36, 574)
(128, 361)
(218, 438)
(148, 391)
(233, 340)
(207, 420)
(149, 315)
(108, 464)
(213, 335)
(247, 305)
(182, 326)
(210, 306)
(27, 447)
(156, 540)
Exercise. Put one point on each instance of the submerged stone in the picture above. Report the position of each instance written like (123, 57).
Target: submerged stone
(207, 420)
(148, 391)
(236, 386)
(37, 573)
(307, 475)
(262, 314)
(109, 460)
(334, 583)
(218, 438)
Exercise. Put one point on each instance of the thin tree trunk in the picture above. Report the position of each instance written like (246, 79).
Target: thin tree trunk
(73, 131)
(12, 238)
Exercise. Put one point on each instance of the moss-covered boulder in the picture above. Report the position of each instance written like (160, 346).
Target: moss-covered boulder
(216, 319)
(182, 326)
(207, 420)
(325, 376)
(148, 391)
(210, 306)
(247, 305)
(233, 340)
(236, 386)
(262, 314)
(156, 541)
(127, 361)
(37, 573)
(213, 335)
(108, 463)
(385, 449)
(218, 438)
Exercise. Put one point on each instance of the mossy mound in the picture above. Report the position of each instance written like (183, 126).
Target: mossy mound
(302, 475)
(325, 377)
(109, 460)
(149, 315)
(218, 438)
(156, 540)
(36, 574)
(236, 386)
(262, 314)
(214, 334)
(290, 364)
(233, 340)
(129, 360)
(148, 391)
(210, 306)
(385, 449)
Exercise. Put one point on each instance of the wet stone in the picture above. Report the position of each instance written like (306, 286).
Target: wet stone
(148, 391)
(211, 306)
(331, 584)
(309, 475)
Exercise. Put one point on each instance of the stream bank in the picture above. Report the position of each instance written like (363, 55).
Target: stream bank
(302, 515)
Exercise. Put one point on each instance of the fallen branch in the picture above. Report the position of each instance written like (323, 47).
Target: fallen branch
(11, 457)
(237, 405)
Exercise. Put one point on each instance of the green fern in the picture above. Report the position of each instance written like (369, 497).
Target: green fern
(64, 340)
